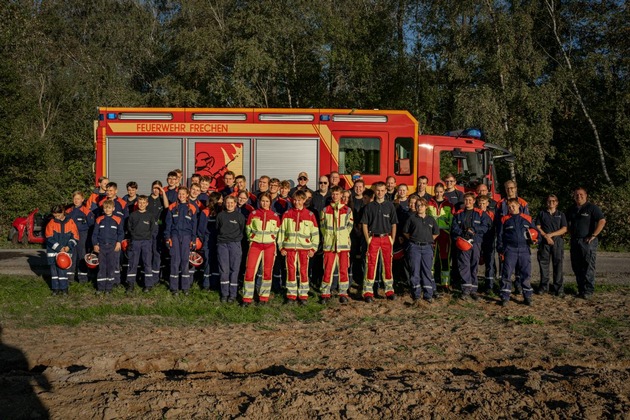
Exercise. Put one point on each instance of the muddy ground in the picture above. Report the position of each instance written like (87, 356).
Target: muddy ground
(561, 358)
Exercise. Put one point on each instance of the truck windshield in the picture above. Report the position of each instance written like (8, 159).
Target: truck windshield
(469, 167)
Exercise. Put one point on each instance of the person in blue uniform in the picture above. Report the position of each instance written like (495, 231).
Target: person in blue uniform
(585, 222)
(180, 235)
(230, 231)
(421, 230)
(61, 236)
(141, 225)
(513, 246)
(471, 224)
(84, 220)
(106, 238)
(552, 224)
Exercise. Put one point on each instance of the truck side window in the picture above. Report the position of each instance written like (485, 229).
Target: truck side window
(403, 156)
(361, 154)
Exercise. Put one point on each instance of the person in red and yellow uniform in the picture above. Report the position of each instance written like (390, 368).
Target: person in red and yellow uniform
(337, 222)
(262, 231)
(298, 240)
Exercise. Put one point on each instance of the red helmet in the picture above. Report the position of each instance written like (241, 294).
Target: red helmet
(124, 245)
(64, 260)
(91, 260)
(532, 235)
(463, 245)
(195, 259)
(198, 243)
(399, 254)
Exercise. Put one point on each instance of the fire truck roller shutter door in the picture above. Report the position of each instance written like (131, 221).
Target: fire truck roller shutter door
(142, 159)
(286, 158)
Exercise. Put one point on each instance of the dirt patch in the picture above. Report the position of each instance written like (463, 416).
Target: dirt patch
(561, 358)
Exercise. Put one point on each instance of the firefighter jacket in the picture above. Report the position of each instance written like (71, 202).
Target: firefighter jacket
(181, 220)
(108, 230)
(82, 216)
(60, 233)
(502, 208)
(120, 208)
(512, 231)
(336, 223)
(207, 230)
(298, 230)
(470, 224)
(443, 213)
(262, 226)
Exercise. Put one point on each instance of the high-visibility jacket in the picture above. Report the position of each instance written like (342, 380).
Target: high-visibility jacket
(336, 223)
(443, 213)
(298, 230)
(262, 226)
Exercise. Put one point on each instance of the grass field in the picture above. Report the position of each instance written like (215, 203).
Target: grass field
(27, 302)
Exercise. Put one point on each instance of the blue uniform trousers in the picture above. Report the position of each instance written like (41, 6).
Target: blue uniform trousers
(210, 267)
(553, 254)
(583, 257)
(156, 249)
(78, 258)
(518, 259)
(58, 277)
(488, 252)
(140, 248)
(180, 251)
(421, 263)
(467, 266)
(230, 254)
(108, 260)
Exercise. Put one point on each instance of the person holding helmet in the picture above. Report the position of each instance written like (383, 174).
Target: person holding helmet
(469, 225)
(515, 233)
(62, 236)
(180, 235)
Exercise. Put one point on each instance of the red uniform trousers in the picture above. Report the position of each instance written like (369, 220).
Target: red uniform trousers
(332, 260)
(379, 246)
(259, 253)
(297, 260)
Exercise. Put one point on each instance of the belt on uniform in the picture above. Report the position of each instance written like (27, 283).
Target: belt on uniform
(379, 235)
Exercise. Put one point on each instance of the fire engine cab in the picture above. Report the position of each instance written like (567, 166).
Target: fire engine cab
(144, 144)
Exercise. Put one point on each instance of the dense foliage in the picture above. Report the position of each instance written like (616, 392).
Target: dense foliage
(546, 78)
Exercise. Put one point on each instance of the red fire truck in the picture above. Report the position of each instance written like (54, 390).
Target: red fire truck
(144, 144)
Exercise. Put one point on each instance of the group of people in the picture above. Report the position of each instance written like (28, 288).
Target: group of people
(295, 240)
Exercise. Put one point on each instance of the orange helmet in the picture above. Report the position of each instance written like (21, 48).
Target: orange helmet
(91, 260)
(463, 245)
(398, 254)
(198, 244)
(532, 235)
(195, 259)
(64, 260)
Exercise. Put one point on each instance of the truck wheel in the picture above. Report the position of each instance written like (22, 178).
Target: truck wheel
(13, 236)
